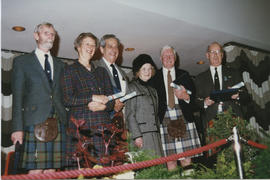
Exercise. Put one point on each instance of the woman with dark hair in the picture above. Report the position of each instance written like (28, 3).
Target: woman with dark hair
(85, 90)
(142, 111)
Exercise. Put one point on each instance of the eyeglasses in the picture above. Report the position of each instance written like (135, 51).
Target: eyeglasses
(215, 51)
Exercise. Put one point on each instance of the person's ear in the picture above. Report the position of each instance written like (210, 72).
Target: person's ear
(207, 55)
(36, 36)
(101, 49)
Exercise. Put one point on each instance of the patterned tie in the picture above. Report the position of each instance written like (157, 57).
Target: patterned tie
(116, 77)
(170, 91)
(217, 85)
(48, 68)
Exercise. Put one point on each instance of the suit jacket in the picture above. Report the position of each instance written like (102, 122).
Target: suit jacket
(101, 63)
(142, 111)
(183, 78)
(33, 97)
(204, 86)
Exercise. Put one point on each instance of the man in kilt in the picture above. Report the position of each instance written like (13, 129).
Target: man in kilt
(37, 98)
(178, 130)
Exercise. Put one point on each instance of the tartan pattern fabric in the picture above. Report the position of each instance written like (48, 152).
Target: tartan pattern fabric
(79, 85)
(40, 155)
(178, 145)
(173, 113)
(96, 146)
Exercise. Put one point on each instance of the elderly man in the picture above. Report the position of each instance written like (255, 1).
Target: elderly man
(109, 47)
(178, 130)
(217, 77)
(38, 115)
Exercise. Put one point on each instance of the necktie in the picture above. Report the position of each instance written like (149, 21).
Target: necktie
(116, 77)
(48, 68)
(217, 85)
(170, 91)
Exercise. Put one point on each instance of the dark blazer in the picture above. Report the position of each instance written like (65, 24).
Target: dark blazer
(183, 78)
(101, 63)
(33, 97)
(204, 86)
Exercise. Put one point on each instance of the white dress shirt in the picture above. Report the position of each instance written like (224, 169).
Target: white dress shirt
(121, 78)
(219, 70)
(41, 58)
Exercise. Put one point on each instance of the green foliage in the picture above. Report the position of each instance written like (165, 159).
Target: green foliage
(153, 172)
(158, 172)
(226, 167)
(222, 128)
(255, 162)
(224, 170)
(262, 163)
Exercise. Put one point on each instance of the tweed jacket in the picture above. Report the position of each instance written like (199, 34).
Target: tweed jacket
(205, 85)
(33, 97)
(79, 85)
(142, 111)
(101, 63)
(183, 78)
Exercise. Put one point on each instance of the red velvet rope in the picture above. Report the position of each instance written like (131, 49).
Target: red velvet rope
(115, 169)
(260, 146)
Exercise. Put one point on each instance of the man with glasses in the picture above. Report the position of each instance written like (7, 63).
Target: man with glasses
(217, 77)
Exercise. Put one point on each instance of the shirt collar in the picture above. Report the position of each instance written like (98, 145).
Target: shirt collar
(165, 70)
(212, 68)
(107, 62)
(40, 53)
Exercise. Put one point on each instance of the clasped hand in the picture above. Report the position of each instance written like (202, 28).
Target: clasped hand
(98, 103)
(182, 94)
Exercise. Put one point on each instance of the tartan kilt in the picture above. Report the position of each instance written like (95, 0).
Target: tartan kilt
(172, 145)
(44, 155)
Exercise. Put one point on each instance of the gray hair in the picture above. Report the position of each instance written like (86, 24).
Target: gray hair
(167, 47)
(39, 27)
(108, 36)
(215, 42)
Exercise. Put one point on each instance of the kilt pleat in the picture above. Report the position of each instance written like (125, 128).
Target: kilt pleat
(44, 155)
(172, 145)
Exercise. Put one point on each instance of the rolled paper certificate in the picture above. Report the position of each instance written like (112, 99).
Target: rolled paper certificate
(116, 96)
(239, 85)
(128, 96)
(173, 85)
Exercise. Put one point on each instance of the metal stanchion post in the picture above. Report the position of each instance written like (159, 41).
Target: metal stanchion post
(237, 149)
